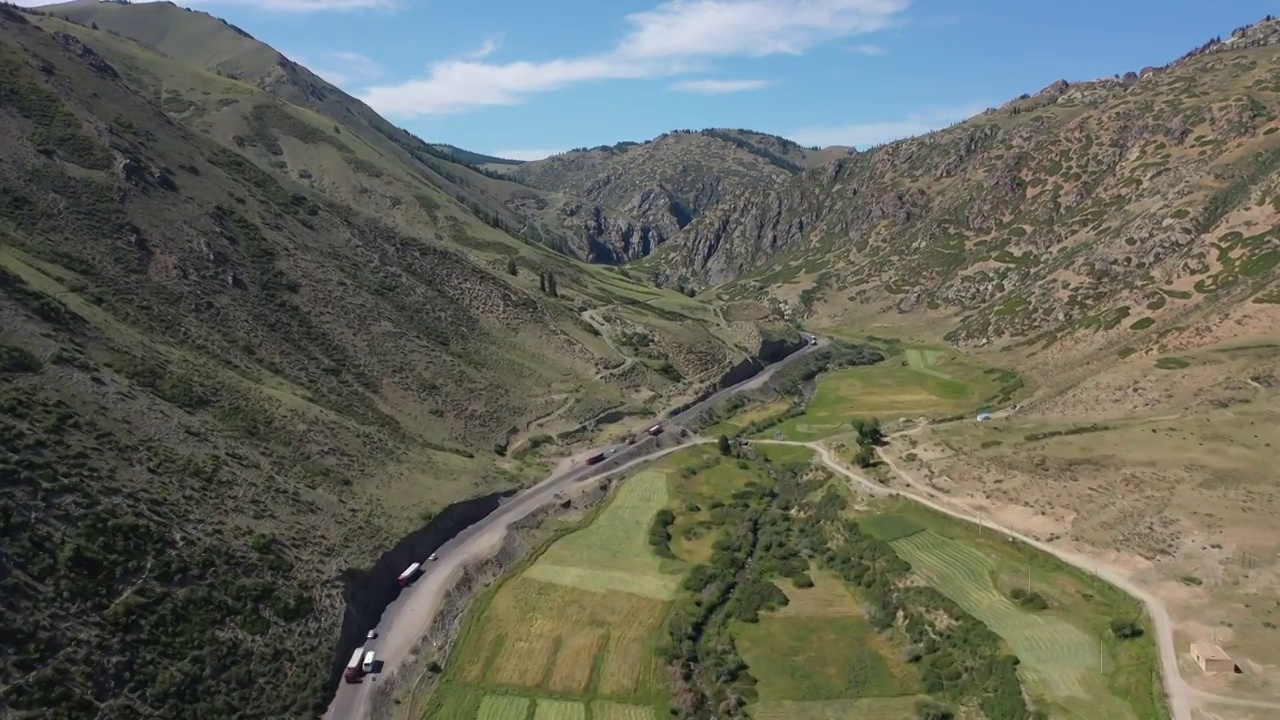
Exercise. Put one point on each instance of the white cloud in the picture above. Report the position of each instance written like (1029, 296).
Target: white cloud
(719, 87)
(525, 154)
(863, 135)
(458, 85)
(486, 48)
(276, 5)
(671, 39)
(867, 50)
(689, 28)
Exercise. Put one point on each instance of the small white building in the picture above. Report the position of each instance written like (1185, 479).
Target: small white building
(984, 417)
(1211, 658)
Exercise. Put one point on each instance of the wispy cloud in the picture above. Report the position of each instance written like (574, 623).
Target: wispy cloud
(675, 38)
(863, 135)
(525, 154)
(344, 69)
(867, 50)
(719, 87)
(486, 48)
(294, 6)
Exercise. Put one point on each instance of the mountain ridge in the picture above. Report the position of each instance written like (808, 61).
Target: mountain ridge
(243, 346)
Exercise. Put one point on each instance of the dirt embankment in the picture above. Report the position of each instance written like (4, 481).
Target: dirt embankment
(367, 593)
(412, 679)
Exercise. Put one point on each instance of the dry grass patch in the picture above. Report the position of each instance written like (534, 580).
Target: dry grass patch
(827, 598)
(539, 635)
(575, 657)
(604, 710)
(899, 708)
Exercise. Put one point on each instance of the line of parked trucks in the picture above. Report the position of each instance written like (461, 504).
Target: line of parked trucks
(363, 661)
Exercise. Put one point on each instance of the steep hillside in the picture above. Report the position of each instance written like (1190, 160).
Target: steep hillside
(243, 347)
(201, 41)
(1110, 207)
(625, 200)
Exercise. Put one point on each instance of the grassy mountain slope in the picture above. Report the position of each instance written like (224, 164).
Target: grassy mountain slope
(1083, 209)
(199, 40)
(627, 199)
(242, 347)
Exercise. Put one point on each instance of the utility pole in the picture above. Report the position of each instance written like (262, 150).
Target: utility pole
(1028, 578)
(1101, 669)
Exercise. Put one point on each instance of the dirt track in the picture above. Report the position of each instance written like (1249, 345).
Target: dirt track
(1181, 697)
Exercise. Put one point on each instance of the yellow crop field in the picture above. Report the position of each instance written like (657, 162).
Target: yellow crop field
(539, 635)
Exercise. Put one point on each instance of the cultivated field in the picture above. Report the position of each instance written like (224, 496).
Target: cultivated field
(605, 710)
(920, 382)
(612, 553)
(503, 707)
(1069, 658)
(578, 625)
(747, 417)
(559, 710)
(900, 708)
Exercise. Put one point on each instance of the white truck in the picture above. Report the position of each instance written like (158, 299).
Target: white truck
(367, 665)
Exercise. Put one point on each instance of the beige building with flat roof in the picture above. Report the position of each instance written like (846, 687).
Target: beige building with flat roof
(1212, 658)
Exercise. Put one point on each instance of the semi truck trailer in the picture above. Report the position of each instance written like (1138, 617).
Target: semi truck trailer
(409, 575)
(352, 672)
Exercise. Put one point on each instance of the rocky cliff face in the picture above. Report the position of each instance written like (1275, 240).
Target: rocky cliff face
(1071, 208)
(622, 202)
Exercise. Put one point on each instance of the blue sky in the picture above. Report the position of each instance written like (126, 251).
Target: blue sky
(526, 78)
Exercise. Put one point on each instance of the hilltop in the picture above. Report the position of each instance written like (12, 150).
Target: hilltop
(627, 199)
(1074, 210)
(247, 343)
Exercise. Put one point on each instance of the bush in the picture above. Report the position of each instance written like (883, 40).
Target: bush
(1126, 628)
(1029, 599)
(932, 710)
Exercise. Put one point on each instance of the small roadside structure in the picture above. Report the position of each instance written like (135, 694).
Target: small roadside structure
(1211, 658)
(984, 417)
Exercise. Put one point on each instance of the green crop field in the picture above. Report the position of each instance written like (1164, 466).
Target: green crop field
(890, 526)
(920, 382)
(503, 707)
(1060, 661)
(747, 417)
(605, 710)
(559, 710)
(612, 553)
(899, 708)
(821, 658)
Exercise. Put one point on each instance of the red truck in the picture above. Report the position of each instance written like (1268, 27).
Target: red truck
(410, 573)
(352, 672)
(598, 457)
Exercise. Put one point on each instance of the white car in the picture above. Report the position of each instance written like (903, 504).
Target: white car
(433, 557)
(371, 635)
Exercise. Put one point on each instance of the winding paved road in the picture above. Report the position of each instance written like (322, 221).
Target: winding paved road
(407, 619)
